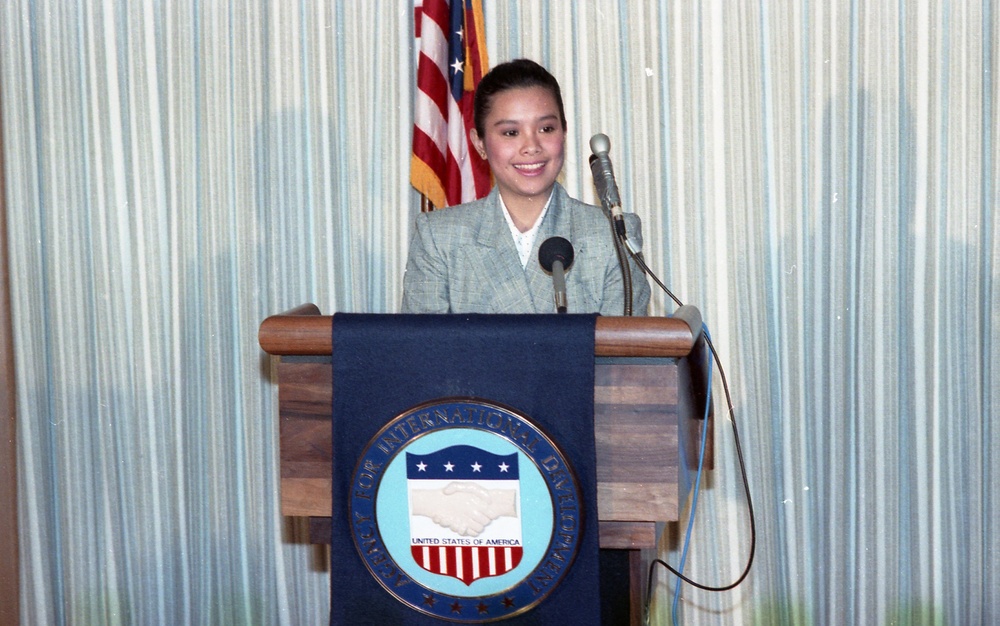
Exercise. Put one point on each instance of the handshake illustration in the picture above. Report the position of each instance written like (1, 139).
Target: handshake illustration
(464, 507)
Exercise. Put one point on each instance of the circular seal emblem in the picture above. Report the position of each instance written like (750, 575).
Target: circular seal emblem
(465, 510)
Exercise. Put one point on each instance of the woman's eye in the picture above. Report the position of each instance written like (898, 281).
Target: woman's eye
(548, 129)
(510, 133)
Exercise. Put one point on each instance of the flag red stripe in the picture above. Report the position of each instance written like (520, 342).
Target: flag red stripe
(453, 176)
(433, 83)
(437, 10)
(427, 151)
(480, 168)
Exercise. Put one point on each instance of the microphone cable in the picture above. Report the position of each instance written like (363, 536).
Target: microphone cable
(637, 256)
(607, 190)
(697, 491)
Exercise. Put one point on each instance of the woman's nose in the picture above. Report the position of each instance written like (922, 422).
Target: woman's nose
(531, 143)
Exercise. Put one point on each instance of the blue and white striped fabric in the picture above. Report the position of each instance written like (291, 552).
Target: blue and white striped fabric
(818, 177)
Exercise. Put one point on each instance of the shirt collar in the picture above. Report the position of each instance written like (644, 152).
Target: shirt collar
(525, 241)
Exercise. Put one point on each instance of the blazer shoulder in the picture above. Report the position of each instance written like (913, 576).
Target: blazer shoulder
(578, 209)
(461, 213)
(585, 219)
(594, 219)
(465, 219)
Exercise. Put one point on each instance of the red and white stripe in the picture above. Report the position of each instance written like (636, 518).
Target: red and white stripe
(444, 165)
(468, 563)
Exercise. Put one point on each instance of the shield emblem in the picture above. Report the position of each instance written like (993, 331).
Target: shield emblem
(464, 511)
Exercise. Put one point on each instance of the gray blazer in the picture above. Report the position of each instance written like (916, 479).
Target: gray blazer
(463, 260)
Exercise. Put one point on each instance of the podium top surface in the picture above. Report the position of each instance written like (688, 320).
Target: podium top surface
(305, 331)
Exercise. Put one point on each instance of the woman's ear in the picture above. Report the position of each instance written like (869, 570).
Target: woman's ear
(478, 143)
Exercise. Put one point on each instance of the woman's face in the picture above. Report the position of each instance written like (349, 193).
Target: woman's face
(524, 143)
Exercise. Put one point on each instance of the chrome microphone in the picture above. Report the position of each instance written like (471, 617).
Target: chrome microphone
(604, 180)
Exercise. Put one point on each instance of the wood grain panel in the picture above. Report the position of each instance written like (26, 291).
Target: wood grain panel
(306, 440)
(636, 432)
(305, 387)
(305, 497)
(305, 405)
(627, 535)
(632, 439)
(637, 502)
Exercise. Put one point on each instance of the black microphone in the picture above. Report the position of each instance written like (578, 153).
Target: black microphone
(555, 255)
(604, 180)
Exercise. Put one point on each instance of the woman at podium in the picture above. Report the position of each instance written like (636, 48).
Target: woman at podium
(482, 256)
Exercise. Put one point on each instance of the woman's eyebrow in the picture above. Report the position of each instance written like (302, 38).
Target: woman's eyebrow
(544, 118)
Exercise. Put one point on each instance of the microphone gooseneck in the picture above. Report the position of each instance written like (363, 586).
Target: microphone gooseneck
(555, 255)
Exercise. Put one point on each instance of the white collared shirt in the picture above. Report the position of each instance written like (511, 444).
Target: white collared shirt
(524, 241)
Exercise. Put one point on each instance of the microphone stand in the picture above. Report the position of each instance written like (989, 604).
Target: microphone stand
(622, 262)
(603, 181)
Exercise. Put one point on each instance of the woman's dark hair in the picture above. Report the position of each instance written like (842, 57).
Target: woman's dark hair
(516, 74)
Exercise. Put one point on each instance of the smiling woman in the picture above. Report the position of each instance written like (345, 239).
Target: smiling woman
(482, 257)
(523, 140)
(520, 130)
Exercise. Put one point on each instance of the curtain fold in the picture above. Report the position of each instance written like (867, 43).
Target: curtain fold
(818, 178)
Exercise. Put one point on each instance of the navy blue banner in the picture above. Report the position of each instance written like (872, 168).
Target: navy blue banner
(541, 368)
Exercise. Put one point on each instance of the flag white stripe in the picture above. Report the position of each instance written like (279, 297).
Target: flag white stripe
(443, 557)
(434, 43)
(428, 118)
(460, 150)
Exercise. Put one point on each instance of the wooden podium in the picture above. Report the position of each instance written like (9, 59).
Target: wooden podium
(649, 401)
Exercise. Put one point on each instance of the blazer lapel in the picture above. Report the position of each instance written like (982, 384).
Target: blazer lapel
(501, 262)
(557, 222)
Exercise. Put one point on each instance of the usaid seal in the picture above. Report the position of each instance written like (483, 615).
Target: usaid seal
(466, 511)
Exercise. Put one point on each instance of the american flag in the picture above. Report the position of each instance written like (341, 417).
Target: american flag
(444, 166)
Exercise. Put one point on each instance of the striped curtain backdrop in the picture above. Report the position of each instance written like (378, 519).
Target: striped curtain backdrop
(818, 178)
